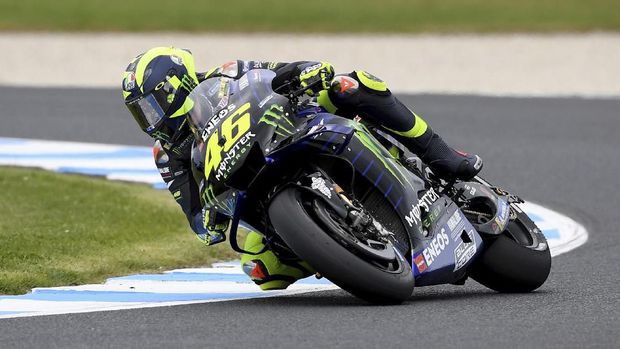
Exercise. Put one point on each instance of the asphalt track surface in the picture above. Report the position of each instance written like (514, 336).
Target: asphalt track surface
(559, 152)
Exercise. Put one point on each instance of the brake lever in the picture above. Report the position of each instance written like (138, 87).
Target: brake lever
(297, 93)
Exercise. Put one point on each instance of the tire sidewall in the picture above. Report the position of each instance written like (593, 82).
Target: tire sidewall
(305, 237)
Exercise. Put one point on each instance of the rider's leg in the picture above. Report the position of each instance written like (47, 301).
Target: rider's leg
(360, 93)
(267, 270)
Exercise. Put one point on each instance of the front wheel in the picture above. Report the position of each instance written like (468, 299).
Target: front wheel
(296, 223)
(518, 260)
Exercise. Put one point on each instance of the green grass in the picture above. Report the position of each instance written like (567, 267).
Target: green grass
(311, 16)
(69, 229)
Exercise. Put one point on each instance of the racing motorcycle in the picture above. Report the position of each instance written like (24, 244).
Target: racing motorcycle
(350, 200)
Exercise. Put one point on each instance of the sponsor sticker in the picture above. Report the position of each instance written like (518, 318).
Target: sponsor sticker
(413, 217)
(436, 247)
(224, 88)
(230, 158)
(130, 82)
(454, 223)
(223, 102)
(177, 60)
(243, 82)
(420, 263)
(265, 100)
(215, 120)
(464, 251)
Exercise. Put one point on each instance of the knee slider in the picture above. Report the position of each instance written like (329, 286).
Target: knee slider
(345, 89)
(266, 269)
(343, 85)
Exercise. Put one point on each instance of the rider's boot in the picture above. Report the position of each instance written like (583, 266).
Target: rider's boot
(267, 270)
(362, 94)
(445, 161)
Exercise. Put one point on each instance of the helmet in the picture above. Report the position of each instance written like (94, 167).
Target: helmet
(155, 88)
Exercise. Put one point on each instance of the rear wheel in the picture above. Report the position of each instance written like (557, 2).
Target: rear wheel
(518, 260)
(370, 269)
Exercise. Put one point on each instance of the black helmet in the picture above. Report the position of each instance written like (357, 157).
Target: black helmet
(155, 88)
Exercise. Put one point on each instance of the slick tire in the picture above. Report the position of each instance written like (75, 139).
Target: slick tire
(508, 265)
(353, 274)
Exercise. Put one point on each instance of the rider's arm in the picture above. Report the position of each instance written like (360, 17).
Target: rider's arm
(236, 69)
(285, 72)
(175, 170)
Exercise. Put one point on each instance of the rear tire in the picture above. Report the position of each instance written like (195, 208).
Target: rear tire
(518, 260)
(311, 243)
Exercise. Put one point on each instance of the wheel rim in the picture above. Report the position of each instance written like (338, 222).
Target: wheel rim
(383, 256)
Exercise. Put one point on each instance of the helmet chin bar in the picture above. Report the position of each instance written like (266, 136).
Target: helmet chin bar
(169, 133)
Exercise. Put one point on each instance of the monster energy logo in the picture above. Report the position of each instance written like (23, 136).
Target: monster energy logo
(188, 83)
(208, 196)
(276, 117)
(160, 135)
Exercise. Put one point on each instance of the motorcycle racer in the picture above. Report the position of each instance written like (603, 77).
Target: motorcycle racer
(156, 85)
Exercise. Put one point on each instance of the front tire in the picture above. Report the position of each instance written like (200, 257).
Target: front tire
(311, 243)
(518, 260)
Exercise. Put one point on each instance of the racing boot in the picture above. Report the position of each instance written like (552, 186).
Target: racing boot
(446, 163)
(267, 270)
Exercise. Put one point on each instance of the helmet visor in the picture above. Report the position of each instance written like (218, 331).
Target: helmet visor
(147, 112)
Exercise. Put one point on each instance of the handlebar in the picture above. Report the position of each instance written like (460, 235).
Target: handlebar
(297, 93)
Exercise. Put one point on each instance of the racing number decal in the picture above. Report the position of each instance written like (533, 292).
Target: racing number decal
(233, 128)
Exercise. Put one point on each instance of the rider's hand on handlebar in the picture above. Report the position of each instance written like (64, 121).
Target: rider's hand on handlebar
(210, 232)
(313, 73)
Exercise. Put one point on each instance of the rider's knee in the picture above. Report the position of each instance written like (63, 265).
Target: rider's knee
(350, 91)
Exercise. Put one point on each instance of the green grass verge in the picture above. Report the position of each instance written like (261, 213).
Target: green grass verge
(311, 16)
(69, 229)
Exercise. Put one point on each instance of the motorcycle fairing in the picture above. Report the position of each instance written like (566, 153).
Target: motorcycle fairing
(247, 117)
(349, 140)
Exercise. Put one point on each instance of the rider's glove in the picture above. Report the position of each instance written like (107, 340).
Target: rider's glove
(313, 72)
(210, 228)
